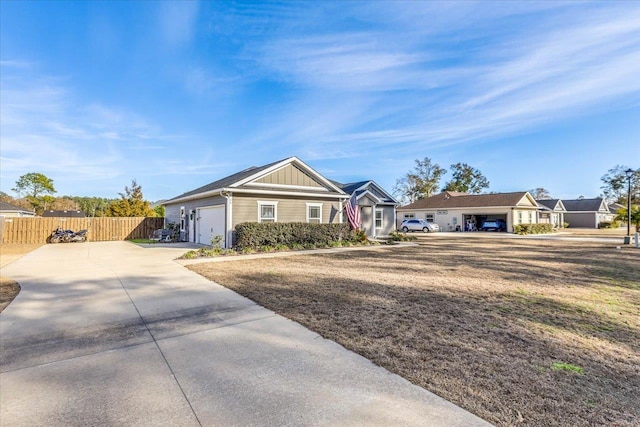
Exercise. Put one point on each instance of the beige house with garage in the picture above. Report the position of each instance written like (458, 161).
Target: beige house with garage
(455, 211)
(288, 190)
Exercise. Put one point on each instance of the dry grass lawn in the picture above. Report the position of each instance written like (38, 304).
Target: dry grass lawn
(9, 253)
(519, 332)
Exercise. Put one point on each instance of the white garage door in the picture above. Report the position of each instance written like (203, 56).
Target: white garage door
(210, 223)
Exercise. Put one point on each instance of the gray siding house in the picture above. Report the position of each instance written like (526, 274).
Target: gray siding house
(377, 207)
(586, 213)
(551, 212)
(288, 190)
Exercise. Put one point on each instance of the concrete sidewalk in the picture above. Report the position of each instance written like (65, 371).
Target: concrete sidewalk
(112, 334)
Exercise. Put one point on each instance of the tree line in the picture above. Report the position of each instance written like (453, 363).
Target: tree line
(36, 193)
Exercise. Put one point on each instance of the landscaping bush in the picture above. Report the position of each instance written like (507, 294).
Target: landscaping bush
(254, 235)
(401, 237)
(533, 228)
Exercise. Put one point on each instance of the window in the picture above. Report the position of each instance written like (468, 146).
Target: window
(530, 217)
(314, 212)
(182, 218)
(519, 217)
(378, 218)
(409, 215)
(267, 211)
(429, 217)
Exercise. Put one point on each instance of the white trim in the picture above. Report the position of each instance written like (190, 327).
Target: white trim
(375, 211)
(382, 190)
(298, 187)
(315, 205)
(373, 196)
(273, 203)
(251, 191)
(288, 193)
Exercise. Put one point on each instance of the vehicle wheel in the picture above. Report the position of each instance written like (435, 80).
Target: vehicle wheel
(426, 229)
(405, 229)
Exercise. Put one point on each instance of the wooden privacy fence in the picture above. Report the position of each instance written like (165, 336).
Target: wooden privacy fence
(36, 230)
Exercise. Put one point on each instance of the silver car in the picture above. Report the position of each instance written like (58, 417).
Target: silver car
(418, 225)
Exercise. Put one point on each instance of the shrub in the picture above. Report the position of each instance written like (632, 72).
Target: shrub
(532, 228)
(565, 225)
(401, 237)
(295, 235)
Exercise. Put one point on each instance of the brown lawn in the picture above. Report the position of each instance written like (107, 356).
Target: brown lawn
(486, 323)
(9, 252)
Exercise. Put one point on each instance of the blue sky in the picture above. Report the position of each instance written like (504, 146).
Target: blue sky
(176, 95)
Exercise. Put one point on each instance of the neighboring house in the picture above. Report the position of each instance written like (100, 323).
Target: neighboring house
(454, 211)
(551, 212)
(614, 208)
(284, 191)
(377, 207)
(12, 211)
(586, 213)
(63, 214)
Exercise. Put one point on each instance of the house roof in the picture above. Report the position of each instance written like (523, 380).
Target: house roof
(227, 180)
(63, 214)
(452, 199)
(4, 206)
(240, 178)
(615, 207)
(585, 205)
(551, 204)
(361, 187)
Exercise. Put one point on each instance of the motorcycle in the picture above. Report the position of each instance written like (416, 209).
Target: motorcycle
(67, 236)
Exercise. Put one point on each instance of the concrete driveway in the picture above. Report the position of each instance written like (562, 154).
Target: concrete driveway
(109, 333)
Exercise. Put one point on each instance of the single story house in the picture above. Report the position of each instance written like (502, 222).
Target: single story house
(455, 211)
(587, 213)
(288, 190)
(12, 211)
(63, 214)
(551, 212)
(377, 207)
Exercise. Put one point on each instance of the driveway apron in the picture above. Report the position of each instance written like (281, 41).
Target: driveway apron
(109, 333)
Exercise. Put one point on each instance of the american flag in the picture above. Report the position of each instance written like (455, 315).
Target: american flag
(353, 212)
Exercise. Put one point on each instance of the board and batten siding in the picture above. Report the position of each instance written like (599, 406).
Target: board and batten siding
(388, 224)
(289, 175)
(290, 209)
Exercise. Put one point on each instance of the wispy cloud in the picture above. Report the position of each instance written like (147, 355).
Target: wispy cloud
(177, 20)
(584, 61)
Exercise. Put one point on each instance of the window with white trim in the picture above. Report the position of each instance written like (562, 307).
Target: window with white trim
(429, 217)
(267, 211)
(409, 216)
(530, 217)
(378, 218)
(519, 217)
(314, 212)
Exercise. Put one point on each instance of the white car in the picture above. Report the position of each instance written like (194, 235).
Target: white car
(418, 225)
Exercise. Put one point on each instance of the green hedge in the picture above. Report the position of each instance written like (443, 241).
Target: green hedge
(254, 235)
(533, 228)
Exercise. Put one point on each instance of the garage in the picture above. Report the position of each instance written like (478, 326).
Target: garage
(473, 222)
(210, 222)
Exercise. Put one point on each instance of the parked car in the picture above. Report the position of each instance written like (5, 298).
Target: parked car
(494, 225)
(418, 225)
